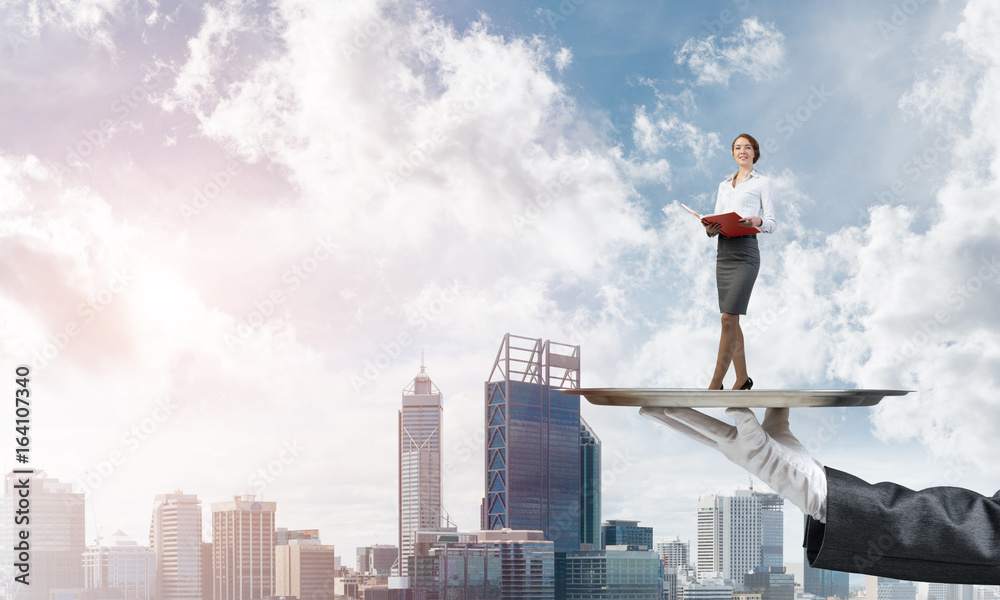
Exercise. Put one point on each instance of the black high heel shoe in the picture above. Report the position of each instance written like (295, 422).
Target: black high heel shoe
(747, 384)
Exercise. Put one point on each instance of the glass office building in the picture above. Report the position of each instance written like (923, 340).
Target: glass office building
(608, 574)
(527, 562)
(626, 533)
(772, 583)
(772, 529)
(495, 565)
(533, 471)
(590, 479)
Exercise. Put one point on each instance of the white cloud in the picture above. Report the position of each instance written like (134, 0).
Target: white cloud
(653, 134)
(939, 96)
(90, 20)
(563, 58)
(756, 49)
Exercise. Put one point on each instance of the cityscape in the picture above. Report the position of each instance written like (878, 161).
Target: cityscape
(541, 535)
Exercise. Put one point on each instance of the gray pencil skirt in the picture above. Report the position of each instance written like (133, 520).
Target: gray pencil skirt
(736, 266)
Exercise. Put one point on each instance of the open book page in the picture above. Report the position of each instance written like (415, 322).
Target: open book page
(729, 221)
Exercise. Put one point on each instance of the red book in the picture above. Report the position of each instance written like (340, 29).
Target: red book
(729, 221)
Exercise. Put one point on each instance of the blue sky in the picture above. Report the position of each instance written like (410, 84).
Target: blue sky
(258, 201)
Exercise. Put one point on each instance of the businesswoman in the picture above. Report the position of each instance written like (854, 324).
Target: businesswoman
(748, 194)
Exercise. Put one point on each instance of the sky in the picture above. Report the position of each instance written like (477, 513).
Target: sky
(229, 231)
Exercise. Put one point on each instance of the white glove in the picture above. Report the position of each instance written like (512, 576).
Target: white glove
(770, 451)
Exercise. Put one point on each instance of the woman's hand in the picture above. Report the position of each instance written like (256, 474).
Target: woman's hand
(751, 222)
(712, 229)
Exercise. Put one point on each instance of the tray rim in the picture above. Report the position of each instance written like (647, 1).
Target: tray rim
(698, 398)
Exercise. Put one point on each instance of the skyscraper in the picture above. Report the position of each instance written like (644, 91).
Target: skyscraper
(175, 537)
(55, 520)
(305, 570)
(673, 552)
(124, 565)
(243, 540)
(590, 479)
(772, 530)
(731, 533)
(420, 423)
(533, 470)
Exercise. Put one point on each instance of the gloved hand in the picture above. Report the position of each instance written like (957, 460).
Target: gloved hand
(769, 451)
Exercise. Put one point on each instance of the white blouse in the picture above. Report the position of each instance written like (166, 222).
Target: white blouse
(748, 199)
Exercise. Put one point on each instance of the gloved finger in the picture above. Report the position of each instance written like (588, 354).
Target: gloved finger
(658, 414)
(776, 425)
(709, 427)
(749, 430)
(775, 420)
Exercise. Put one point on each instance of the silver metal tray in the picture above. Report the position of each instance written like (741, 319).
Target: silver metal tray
(728, 398)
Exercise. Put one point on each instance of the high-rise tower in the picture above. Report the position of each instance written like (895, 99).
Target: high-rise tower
(55, 522)
(533, 458)
(124, 565)
(739, 532)
(772, 530)
(243, 541)
(590, 490)
(420, 422)
(175, 537)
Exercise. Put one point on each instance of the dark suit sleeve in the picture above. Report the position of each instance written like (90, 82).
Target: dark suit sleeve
(944, 534)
